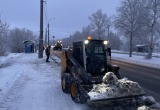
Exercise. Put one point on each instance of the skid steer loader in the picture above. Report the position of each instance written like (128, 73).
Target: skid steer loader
(83, 66)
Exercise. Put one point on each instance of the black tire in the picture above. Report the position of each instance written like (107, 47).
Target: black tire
(74, 92)
(66, 82)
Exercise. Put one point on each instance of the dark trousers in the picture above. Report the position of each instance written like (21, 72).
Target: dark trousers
(47, 59)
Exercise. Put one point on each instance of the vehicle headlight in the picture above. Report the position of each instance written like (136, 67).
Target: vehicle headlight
(105, 42)
(86, 41)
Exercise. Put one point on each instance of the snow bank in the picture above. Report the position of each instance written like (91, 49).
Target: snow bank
(138, 60)
(152, 107)
(144, 107)
(148, 103)
(113, 88)
(7, 60)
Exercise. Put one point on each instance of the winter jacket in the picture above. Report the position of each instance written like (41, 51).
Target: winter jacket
(47, 51)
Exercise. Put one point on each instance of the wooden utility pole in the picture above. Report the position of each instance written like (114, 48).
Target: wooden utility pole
(40, 55)
(48, 30)
(109, 38)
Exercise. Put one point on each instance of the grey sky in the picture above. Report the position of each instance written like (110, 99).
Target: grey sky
(70, 15)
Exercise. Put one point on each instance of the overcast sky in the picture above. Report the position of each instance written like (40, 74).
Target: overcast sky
(70, 15)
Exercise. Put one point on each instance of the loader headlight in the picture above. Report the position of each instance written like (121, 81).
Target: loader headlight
(105, 42)
(86, 41)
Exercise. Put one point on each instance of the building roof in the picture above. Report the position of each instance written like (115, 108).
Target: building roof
(29, 41)
(141, 45)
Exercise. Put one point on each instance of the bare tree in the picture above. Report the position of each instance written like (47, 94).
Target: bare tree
(99, 23)
(3, 37)
(153, 23)
(86, 31)
(17, 36)
(130, 19)
(115, 41)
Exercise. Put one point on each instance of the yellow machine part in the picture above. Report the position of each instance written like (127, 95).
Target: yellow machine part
(63, 62)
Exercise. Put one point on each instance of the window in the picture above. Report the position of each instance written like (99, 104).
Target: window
(98, 49)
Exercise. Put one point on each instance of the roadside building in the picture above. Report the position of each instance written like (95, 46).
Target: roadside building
(142, 48)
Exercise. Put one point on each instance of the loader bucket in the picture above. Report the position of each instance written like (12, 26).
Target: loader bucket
(111, 101)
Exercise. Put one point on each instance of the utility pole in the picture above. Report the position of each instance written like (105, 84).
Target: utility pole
(46, 38)
(109, 39)
(48, 33)
(40, 55)
(48, 30)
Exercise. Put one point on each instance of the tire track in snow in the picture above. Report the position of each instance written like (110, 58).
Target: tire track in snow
(13, 93)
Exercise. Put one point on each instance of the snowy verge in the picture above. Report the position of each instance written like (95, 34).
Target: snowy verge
(7, 60)
(138, 60)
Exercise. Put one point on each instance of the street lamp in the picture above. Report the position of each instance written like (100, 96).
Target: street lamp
(48, 28)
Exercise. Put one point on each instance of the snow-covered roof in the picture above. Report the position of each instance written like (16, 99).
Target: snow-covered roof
(141, 45)
(29, 41)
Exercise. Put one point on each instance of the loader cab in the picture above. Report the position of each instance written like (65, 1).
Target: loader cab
(91, 54)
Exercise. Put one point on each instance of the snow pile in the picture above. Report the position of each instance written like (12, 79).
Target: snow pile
(113, 88)
(7, 60)
(148, 100)
(110, 78)
(144, 107)
(129, 87)
(148, 103)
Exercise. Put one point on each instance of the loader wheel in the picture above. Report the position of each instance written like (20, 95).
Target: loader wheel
(74, 92)
(65, 83)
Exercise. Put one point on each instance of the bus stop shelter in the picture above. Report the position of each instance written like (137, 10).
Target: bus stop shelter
(29, 46)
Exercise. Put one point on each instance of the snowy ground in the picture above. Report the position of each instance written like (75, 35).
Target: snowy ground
(29, 83)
